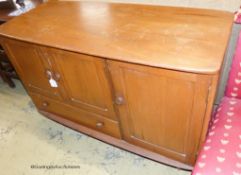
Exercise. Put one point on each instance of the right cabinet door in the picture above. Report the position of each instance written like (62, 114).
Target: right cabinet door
(161, 110)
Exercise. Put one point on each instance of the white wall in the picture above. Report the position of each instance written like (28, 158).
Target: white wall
(228, 5)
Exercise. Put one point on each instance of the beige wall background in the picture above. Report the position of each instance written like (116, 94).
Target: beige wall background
(228, 5)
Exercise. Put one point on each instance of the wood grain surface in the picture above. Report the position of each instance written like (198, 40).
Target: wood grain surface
(186, 39)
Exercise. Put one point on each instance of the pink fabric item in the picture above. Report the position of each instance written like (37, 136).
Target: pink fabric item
(237, 17)
(233, 88)
(221, 153)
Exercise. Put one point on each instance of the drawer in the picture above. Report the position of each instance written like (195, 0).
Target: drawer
(77, 115)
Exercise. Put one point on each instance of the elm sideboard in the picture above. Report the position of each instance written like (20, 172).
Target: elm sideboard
(140, 77)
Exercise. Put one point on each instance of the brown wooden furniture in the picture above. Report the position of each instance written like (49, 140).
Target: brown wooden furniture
(7, 71)
(140, 77)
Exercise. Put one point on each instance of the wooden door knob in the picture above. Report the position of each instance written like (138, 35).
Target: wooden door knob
(99, 125)
(119, 100)
(48, 74)
(45, 104)
(57, 76)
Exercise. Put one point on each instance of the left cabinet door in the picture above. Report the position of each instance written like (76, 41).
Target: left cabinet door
(84, 82)
(33, 66)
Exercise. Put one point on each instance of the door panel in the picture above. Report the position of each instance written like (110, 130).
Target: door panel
(31, 63)
(85, 81)
(160, 108)
(153, 105)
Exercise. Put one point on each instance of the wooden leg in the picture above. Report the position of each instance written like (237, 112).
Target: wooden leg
(6, 69)
(6, 78)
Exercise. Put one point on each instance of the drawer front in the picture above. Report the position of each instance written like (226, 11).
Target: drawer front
(74, 114)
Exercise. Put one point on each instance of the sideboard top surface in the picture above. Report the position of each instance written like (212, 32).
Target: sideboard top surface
(186, 39)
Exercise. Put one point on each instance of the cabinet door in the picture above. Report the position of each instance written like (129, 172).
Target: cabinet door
(85, 82)
(159, 109)
(33, 66)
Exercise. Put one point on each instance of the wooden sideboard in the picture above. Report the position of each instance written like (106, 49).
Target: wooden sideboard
(7, 8)
(139, 77)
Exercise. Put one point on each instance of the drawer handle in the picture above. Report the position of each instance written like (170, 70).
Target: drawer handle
(119, 100)
(45, 104)
(99, 125)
